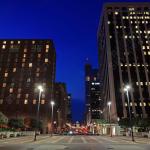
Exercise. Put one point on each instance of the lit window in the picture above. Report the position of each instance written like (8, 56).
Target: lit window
(94, 78)
(37, 74)
(88, 78)
(108, 22)
(143, 47)
(148, 104)
(25, 101)
(148, 52)
(126, 36)
(12, 42)
(137, 83)
(4, 42)
(34, 101)
(33, 42)
(140, 104)
(131, 104)
(43, 95)
(18, 95)
(19, 90)
(4, 46)
(6, 74)
(25, 50)
(144, 53)
(38, 69)
(135, 104)
(27, 95)
(18, 42)
(1, 101)
(24, 55)
(46, 59)
(47, 50)
(126, 104)
(144, 104)
(4, 84)
(28, 80)
(11, 90)
(116, 13)
(23, 60)
(23, 64)
(47, 46)
(39, 55)
(14, 69)
(30, 65)
(147, 47)
(42, 101)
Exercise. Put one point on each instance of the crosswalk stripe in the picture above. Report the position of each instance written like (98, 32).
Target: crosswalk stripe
(71, 139)
(83, 139)
(58, 140)
(96, 140)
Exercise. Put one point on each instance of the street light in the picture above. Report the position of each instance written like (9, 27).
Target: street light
(40, 88)
(126, 89)
(109, 104)
(52, 105)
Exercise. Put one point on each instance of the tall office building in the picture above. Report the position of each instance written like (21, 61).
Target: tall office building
(25, 64)
(124, 58)
(69, 114)
(92, 94)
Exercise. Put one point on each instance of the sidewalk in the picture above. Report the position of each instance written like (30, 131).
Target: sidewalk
(138, 140)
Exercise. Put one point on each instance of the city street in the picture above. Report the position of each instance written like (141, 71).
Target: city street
(74, 143)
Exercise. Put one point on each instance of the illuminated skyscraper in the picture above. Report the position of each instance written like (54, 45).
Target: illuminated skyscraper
(25, 64)
(124, 58)
(92, 94)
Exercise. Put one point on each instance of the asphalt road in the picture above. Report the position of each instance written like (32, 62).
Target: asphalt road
(74, 143)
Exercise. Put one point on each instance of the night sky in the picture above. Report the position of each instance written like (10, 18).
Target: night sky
(71, 24)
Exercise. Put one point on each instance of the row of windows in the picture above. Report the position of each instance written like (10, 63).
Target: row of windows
(26, 101)
(138, 65)
(88, 78)
(19, 42)
(25, 50)
(145, 47)
(140, 104)
(136, 17)
(142, 83)
(147, 53)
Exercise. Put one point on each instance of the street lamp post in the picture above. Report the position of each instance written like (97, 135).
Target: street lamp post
(109, 104)
(40, 88)
(126, 89)
(52, 105)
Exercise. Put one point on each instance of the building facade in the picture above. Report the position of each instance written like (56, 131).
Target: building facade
(124, 58)
(69, 114)
(92, 93)
(60, 108)
(25, 64)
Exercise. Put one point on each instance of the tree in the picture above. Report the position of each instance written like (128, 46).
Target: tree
(3, 119)
(16, 123)
(124, 122)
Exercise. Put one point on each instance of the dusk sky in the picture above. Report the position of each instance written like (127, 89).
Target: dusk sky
(71, 24)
